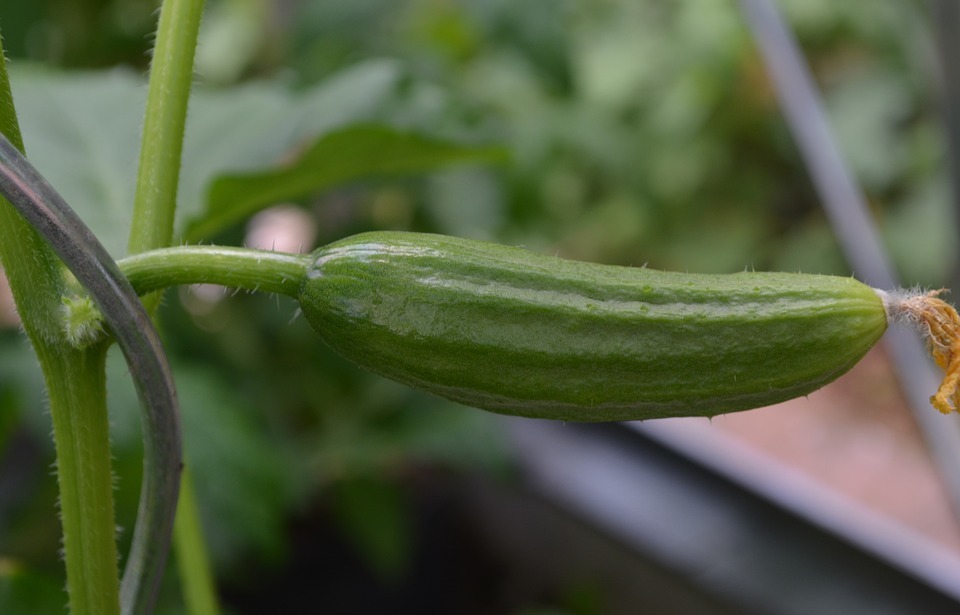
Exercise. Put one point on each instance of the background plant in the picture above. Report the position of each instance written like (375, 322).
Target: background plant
(680, 160)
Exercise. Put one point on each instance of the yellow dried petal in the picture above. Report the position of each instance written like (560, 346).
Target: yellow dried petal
(939, 323)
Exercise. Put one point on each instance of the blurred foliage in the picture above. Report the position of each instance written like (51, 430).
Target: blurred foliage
(22, 591)
(375, 515)
(84, 130)
(639, 132)
(647, 132)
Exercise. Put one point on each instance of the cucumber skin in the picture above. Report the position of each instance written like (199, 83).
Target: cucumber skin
(520, 333)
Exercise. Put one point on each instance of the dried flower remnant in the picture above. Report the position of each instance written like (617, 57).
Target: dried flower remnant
(939, 323)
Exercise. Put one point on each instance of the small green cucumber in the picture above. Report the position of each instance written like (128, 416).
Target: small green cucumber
(516, 332)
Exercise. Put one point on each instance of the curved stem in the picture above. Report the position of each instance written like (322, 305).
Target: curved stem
(130, 324)
(245, 268)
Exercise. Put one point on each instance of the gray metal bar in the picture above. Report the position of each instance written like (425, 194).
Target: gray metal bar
(847, 210)
(703, 520)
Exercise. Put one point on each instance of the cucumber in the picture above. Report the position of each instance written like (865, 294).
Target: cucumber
(515, 332)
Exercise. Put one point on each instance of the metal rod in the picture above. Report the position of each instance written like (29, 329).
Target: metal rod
(847, 211)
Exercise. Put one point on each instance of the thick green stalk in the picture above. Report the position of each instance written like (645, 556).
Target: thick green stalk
(193, 564)
(77, 403)
(32, 267)
(126, 317)
(77, 389)
(254, 270)
(166, 115)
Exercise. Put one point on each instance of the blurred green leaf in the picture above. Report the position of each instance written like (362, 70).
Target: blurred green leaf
(82, 131)
(466, 202)
(232, 38)
(247, 128)
(246, 478)
(22, 379)
(919, 233)
(375, 516)
(869, 112)
(9, 414)
(341, 156)
(22, 591)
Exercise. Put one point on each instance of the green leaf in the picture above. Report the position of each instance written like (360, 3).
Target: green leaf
(247, 128)
(82, 131)
(342, 156)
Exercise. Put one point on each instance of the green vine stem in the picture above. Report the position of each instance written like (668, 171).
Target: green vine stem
(77, 398)
(133, 330)
(82, 432)
(154, 208)
(193, 564)
(31, 266)
(243, 268)
(166, 114)
(77, 401)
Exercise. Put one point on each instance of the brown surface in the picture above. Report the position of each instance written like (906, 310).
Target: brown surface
(857, 437)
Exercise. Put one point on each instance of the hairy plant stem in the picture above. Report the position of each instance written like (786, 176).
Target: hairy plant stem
(82, 432)
(158, 173)
(253, 270)
(166, 115)
(89, 262)
(77, 400)
(32, 267)
(244, 268)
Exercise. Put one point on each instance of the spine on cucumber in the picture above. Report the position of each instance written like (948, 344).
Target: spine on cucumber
(516, 332)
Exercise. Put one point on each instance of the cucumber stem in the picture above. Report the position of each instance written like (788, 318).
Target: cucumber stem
(244, 268)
